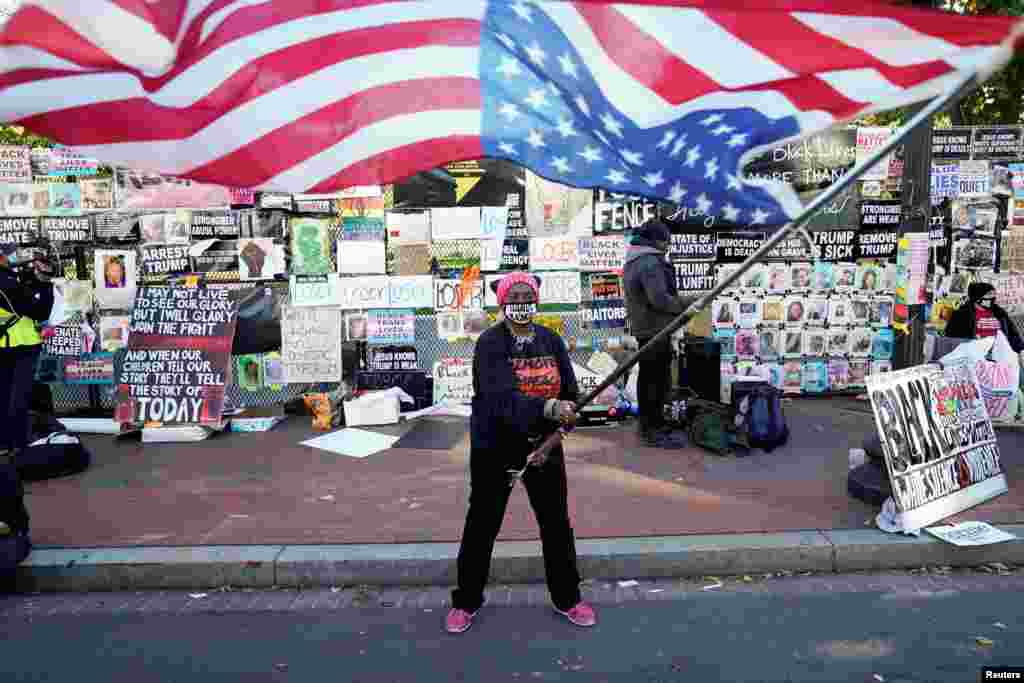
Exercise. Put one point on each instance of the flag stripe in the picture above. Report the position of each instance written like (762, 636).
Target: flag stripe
(116, 121)
(886, 40)
(255, 163)
(34, 27)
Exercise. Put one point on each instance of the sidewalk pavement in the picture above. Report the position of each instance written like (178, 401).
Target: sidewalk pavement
(260, 510)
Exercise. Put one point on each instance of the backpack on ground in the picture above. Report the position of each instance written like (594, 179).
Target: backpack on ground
(766, 421)
(711, 426)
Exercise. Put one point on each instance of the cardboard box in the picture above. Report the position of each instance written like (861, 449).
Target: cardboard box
(372, 409)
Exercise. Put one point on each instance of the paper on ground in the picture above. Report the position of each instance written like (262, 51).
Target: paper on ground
(970, 534)
(90, 425)
(354, 443)
(443, 408)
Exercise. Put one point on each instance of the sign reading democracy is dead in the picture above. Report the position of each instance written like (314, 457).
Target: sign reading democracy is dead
(179, 353)
(937, 440)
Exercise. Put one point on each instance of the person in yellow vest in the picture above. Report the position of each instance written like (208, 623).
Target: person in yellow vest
(26, 298)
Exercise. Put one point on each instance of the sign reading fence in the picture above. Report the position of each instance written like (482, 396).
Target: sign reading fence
(939, 445)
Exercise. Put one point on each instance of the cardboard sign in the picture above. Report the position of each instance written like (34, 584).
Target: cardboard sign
(880, 212)
(314, 290)
(391, 326)
(363, 293)
(66, 341)
(179, 354)
(311, 344)
(952, 143)
(90, 368)
(413, 259)
(602, 253)
(413, 292)
(939, 445)
(165, 259)
(15, 164)
(553, 253)
(453, 380)
(999, 142)
(392, 358)
(204, 225)
(975, 179)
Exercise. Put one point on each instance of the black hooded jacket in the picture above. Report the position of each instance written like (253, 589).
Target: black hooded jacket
(963, 322)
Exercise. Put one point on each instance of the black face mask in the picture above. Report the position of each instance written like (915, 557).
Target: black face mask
(520, 313)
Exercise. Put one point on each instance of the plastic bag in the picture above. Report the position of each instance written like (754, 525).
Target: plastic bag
(997, 369)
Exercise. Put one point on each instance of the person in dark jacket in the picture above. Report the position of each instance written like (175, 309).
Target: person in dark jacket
(524, 390)
(981, 316)
(26, 298)
(652, 302)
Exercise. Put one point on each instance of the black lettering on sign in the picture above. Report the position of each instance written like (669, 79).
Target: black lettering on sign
(214, 225)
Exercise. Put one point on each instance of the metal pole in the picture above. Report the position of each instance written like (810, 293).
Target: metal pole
(936, 105)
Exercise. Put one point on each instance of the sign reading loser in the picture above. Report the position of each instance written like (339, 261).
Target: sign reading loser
(939, 445)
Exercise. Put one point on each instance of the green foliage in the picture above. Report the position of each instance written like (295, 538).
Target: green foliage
(16, 135)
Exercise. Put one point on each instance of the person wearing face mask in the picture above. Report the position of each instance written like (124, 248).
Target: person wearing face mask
(524, 390)
(26, 298)
(652, 302)
(980, 316)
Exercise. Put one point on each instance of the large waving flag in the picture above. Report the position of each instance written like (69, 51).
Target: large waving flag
(663, 98)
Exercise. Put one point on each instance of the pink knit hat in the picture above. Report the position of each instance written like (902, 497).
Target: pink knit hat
(505, 284)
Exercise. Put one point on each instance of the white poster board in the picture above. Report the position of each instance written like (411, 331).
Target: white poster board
(554, 253)
(359, 293)
(310, 344)
(939, 445)
(412, 291)
(361, 257)
(455, 223)
(453, 380)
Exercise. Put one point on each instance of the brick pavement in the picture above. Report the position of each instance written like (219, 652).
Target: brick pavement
(266, 489)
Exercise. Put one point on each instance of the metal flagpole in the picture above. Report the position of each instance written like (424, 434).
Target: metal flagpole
(936, 105)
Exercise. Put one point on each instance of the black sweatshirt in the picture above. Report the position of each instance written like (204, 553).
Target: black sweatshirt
(511, 387)
(33, 299)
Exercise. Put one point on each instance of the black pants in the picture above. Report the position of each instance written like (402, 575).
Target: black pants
(654, 379)
(548, 492)
(17, 372)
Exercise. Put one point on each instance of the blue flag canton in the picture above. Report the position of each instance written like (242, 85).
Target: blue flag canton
(543, 109)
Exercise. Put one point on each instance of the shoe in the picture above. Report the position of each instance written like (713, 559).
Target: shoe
(580, 615)
(458, 620)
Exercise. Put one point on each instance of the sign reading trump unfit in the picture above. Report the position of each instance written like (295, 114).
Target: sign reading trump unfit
(939, 446)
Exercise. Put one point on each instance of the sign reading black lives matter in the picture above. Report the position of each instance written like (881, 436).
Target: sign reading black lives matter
(937, 439)
(179, 354)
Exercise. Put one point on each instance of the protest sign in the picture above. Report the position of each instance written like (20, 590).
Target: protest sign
(391, 358)
(603, 314)
(16, 199)
(877, 243)
(362, 228)
(868, 140)
(165, 259)
(112, 226)
(515, 255)
(493, 222)
(65, 161)
(314, 203)
(937, 439)
(560, 287)
(695, 276)
(408, 228)
(21, 231)
(735, 247)
(260, 259)
(275, 200)
(975, 179)
(90, 368)
(453, 294)
(553, 253)
(553, 209)
(455, 223)
(310, 245)
(951, 143)
(998, 142)
(413, 292)
(66, 341)
(693, 246)
(15, 164)
(215, 256)
(97, 194)
(970, 534)
(140, 190)
(453, 380)
(357, 257)
(179, 354)
(363, 292)
(65, 199)
(314, 290)
(605, 287)
(945, 182)
(204, 225)
(810, 162)
(114, 273)
(311, 344)
(602, 253)
(242, 197)
(880, 212)
(114, 332)
(614, 212)
(391, 326)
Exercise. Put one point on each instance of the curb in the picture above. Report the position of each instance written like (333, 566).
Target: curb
(418, 564)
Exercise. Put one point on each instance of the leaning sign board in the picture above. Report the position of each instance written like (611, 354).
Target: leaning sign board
(939, 445)
(311, 344)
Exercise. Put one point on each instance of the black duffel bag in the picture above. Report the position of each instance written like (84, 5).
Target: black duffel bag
(52, 453)
(259, 321)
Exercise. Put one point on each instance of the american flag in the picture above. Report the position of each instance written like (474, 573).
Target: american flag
(661, 98)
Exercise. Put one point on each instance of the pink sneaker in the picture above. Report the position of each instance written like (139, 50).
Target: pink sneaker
(458, 620)
(581, 615)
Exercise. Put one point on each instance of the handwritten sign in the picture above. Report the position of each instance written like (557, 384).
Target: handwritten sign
(553, 253)
(451, 294)
(314, 290)
(415, 291)
(391, 326)
(65, 161)
(868, 140)
(311, 344)
(363, 292)
(15, 164)
(453, 380)
(602, 253)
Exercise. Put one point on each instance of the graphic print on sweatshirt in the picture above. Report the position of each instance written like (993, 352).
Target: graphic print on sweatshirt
(538, 376)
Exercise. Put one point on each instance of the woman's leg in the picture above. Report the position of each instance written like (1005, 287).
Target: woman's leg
(488, 497)
(549, 497)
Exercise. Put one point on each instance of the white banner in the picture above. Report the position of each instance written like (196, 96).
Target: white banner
(553, 253)
(413, 291)
(310, 344)
(357, 293)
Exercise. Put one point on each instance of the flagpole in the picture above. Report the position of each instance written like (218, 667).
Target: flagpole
(936, 105)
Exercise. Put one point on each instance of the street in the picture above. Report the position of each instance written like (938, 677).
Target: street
(938, 625)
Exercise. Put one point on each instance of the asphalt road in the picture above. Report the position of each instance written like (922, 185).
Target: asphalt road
(859, 628)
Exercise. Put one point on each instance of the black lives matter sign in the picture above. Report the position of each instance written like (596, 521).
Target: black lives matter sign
(169, 259)
(179, 352)
(68, 229)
